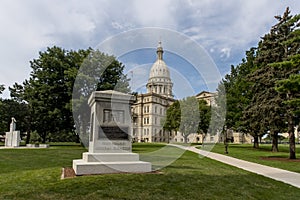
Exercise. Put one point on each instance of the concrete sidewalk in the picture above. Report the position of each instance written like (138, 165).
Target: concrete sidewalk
(285, 176)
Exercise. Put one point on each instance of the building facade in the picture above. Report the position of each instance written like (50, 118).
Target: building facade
(209, 97)
(150, 108)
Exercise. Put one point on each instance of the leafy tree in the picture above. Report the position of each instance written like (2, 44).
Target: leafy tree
(48, 94)
(98, 71)
(2, 88)
(205, 117)
(62, 80)
(17, 92)
(190, 117)
(173, 117)
(10, 108)
(218, 112)
(51, 86)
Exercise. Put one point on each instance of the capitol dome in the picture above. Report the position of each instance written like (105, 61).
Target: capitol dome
(159, 70)
(159, 79)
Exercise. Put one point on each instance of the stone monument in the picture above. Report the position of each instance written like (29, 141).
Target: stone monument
(110, 148)
(12, 138)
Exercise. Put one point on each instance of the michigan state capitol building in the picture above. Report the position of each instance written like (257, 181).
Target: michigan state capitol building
(150, 108)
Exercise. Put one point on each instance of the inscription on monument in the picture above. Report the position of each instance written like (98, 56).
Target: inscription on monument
(113, 116)
(113, 133)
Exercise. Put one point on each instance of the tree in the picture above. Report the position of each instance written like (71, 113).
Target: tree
(290, 88)
(205, 117)
(61, 82)
(190, 117)
(218, 112)
(2, 88)
(266, 103)
(97, 72)
(173, 117)
(10, 108)
(233, 96)
(48, 94)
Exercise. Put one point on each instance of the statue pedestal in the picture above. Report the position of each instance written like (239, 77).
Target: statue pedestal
(106, 163)
(12, 139)
(110, 137)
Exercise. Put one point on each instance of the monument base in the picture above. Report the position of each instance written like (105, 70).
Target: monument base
(107, 163)
(12, 139)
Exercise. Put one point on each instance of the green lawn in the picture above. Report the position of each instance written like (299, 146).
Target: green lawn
(247, 152)
(35, 174)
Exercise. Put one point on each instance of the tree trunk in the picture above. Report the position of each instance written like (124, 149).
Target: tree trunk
(28, 138)
(292, 138)
(256, 143)
(185, 138)
(77, 138)
(44, 138)
(274, 142)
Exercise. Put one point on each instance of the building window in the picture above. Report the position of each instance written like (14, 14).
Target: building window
(133, 132)
(155, 109)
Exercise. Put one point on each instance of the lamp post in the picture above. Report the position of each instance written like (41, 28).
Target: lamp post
(225, 139)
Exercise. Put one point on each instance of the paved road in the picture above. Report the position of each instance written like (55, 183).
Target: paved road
(285, 176)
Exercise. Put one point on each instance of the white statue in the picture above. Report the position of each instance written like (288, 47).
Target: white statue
(12, 125)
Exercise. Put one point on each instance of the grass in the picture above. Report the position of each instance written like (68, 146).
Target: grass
(247, 152)
(35, 174)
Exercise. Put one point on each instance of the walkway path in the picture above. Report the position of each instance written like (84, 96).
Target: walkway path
(285, 176)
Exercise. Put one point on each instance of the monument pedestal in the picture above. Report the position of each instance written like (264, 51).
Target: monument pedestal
(12, 139)
(110, 137)
(106, 163)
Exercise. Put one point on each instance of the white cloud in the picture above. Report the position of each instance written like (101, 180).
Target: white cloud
(224, 28)
(225, 53)
(155, 13)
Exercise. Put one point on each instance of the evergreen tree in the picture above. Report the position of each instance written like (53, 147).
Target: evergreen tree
(290, 88)
(266, 103)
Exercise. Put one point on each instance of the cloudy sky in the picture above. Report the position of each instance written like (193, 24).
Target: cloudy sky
(224, 29)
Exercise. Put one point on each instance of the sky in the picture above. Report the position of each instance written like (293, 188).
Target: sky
(217, 31)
